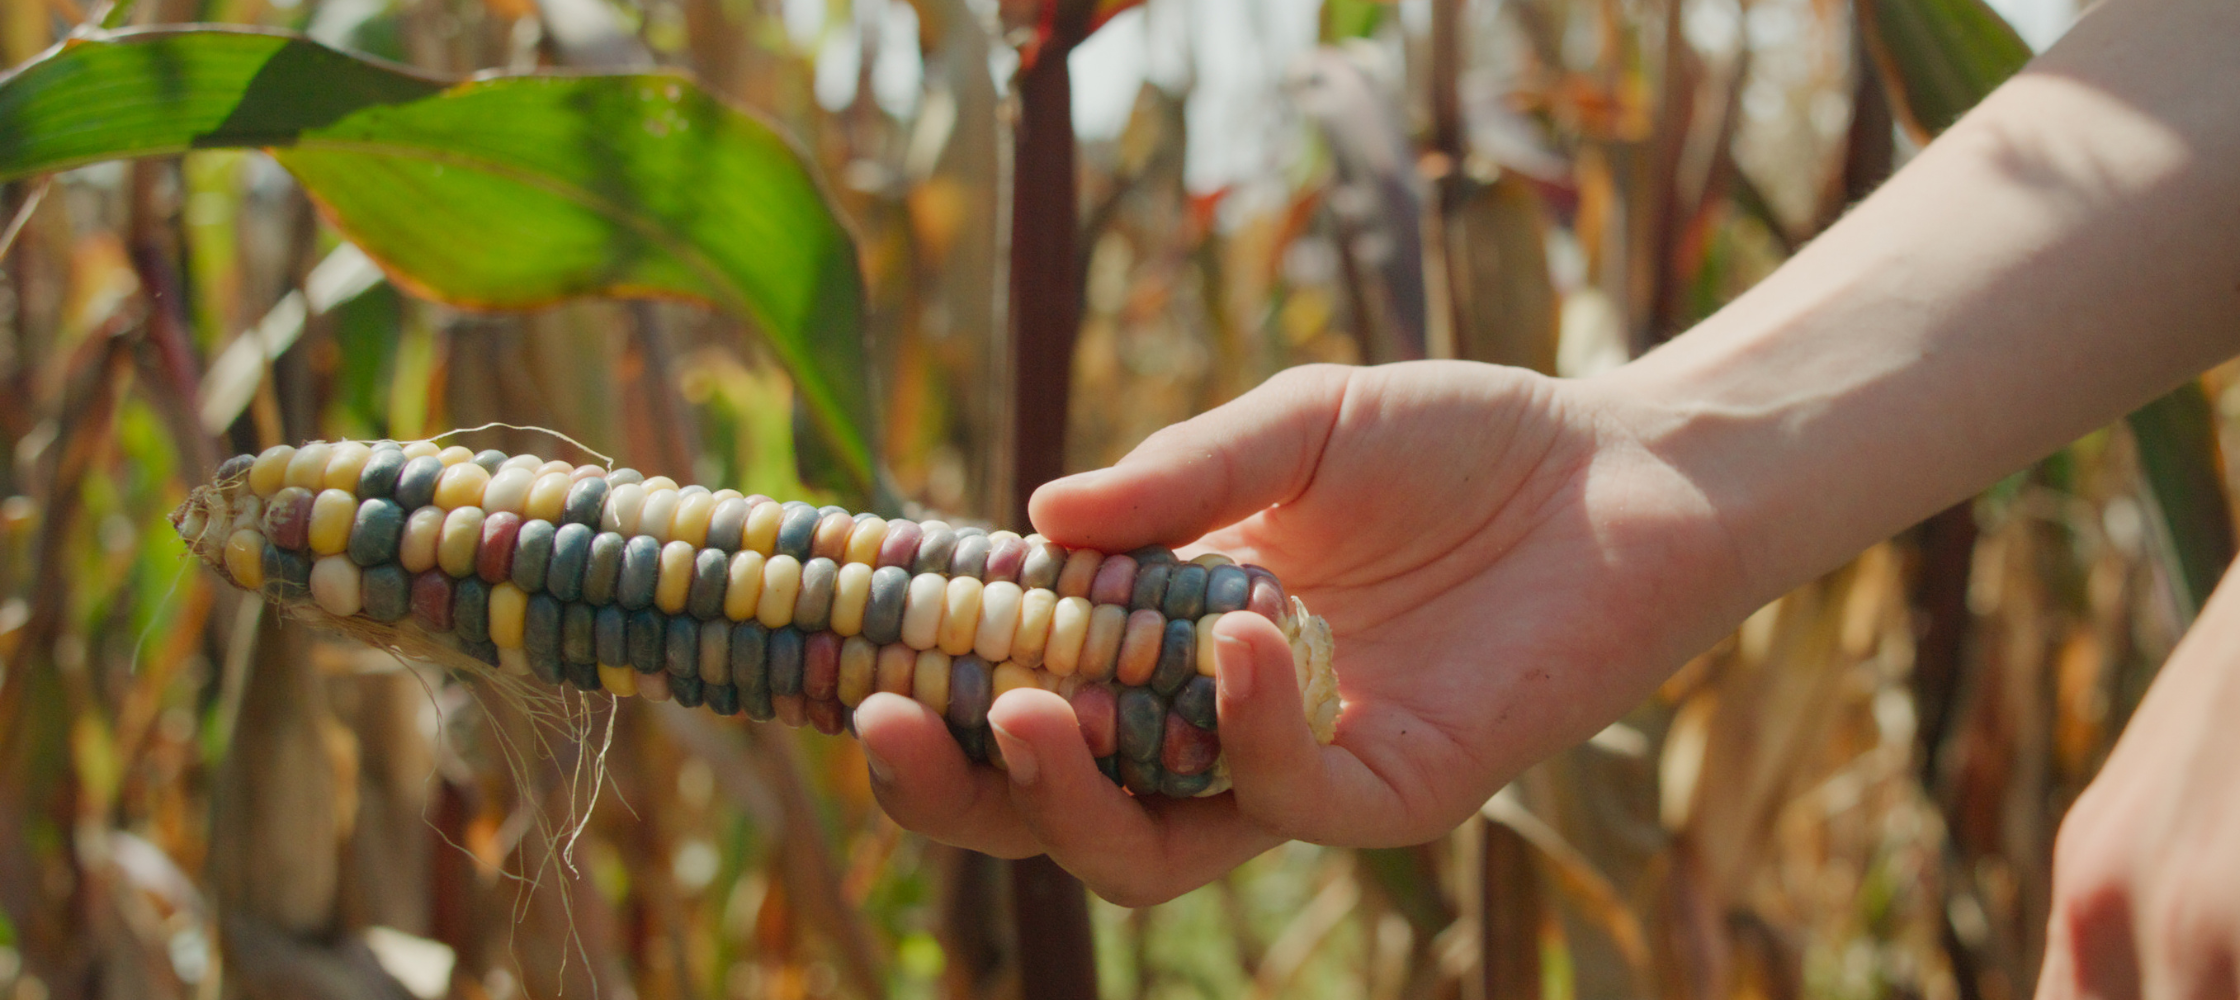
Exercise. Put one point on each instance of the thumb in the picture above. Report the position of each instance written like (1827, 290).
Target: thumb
(1207, 472)
(1283, 779)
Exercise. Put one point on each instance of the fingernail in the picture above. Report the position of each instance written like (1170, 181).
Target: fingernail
(1233, 666)
(1018, 757)
(881, 771)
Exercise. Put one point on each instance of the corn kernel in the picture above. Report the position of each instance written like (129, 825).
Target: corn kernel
(335, 586)
(999, 621)
(1010, 676)
(1205, 663)
(1069, 629)
(892, 672)
(858, 670)
(1139, 636)
(659, 515)
(467, 485)
(308, 467)
(458, 539)
(781, 584)
(960, 615)
(851, 596)
(743, 588)
(864, 541)
(622, 682)
(346, 465)
(421, 449)
(690, 522)
(675, 577)
(922, 610)
(761, 532)
(507, 490)
(270, 471)
(929, 681)
(509, 611)
(331, 514)
(457, 454)
(245, 558)
(1035, 609)
(1080, 573)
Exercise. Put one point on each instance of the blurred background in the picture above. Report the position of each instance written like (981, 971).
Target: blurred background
(1854, 796)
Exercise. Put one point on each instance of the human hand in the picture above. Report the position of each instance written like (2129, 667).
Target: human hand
(2146, 870)
(1506, 569)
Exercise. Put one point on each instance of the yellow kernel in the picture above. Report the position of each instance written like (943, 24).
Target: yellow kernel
(1010, 676)
(929, 682)
(864, 542)
(896, 663)
(921, 610)
(624, 503)
(622, 682)
(308, 468)
(1079, 572)
(457, 454)
(744, 587)
(960, 615)
(553, 466)
(729, 494)
(999, 620)
(673, 583)
(1111, 631)
(421, 449)
(458, 541)
(1205, 643)
(1069, 626)
(509, 610)
(270, 471)
(462, 485)
(348, 463)
(781, 586)
(659, 514)
(858, 660)
(335, 586)
(332, 512)
(1210, 560)
(524, 461)
(245, 558)
(851, 594)
(507, 491)
(690, 523)
(548, 498)
(423, 530)
(1035, 609)
(1053, 682)
(660, 483)
(761, 532)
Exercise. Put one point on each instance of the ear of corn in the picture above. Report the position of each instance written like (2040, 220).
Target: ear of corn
(609, 581)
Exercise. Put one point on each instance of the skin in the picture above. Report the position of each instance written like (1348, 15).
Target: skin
(1511, 561)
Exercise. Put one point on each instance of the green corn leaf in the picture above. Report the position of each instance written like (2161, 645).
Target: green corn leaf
(502, 192)
(1939, 57)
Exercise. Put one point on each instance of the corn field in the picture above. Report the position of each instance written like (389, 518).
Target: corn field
(1853, 796)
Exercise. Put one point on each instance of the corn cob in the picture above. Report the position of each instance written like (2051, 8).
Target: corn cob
(611, 581)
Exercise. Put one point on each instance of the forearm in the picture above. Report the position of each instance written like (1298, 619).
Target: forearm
(2063, 254)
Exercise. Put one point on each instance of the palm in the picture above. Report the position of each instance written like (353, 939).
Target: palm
(1501, 571)
(1490, 570)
